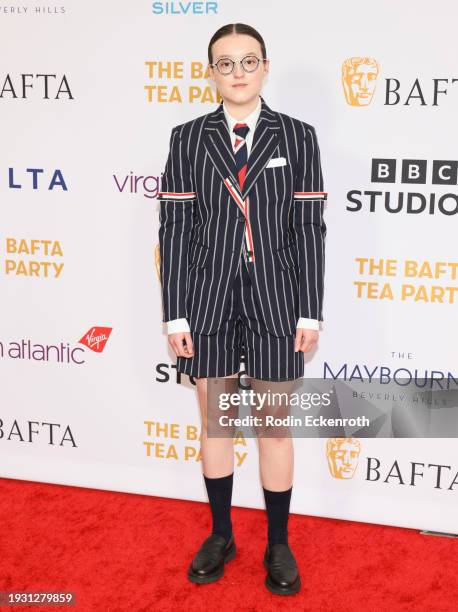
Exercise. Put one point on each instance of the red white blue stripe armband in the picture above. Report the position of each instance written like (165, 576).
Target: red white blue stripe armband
(310, 195)
(173, 195)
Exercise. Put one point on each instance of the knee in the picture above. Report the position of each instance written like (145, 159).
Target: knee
(274, 441)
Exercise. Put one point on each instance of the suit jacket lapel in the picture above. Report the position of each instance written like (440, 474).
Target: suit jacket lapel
(218, 143)
(265, 140)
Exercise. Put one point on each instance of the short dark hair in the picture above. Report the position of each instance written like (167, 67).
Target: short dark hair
(236, 28)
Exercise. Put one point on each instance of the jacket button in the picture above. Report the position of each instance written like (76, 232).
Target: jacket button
(241, 218)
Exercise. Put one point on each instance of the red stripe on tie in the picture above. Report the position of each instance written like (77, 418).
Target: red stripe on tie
(242, 174)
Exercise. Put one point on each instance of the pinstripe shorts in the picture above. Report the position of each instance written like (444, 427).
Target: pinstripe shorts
(243, 338)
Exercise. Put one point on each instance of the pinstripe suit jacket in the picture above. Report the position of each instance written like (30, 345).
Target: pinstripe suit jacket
(204, 215)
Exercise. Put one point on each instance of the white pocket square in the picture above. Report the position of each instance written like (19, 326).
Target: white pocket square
(276, 161)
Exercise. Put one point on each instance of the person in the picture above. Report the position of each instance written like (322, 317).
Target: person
(241, 239)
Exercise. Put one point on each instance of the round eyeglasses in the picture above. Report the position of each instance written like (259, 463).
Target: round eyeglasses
(226, 65)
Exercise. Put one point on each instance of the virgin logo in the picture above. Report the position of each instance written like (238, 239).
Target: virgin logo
(96, 338)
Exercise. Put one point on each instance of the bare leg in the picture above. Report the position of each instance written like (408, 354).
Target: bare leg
(276, 453)
(217, 453)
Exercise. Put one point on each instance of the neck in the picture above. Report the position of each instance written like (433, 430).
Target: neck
(240, 111)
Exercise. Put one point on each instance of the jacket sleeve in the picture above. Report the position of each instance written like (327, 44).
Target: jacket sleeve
(177, 199)
(309, 226)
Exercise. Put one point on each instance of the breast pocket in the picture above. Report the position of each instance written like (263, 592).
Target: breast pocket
(198, 256)
(278, 181)
(287, 256)
(277, 162)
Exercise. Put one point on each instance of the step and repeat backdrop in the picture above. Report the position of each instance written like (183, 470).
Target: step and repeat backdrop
(89, 93)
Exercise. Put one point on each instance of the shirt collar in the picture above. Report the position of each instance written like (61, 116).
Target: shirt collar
(250, 119)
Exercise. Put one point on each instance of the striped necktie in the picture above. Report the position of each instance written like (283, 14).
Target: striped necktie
(240, 151)
(241, 158)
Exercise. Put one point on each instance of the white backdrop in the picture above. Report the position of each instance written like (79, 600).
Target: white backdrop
(98, 141)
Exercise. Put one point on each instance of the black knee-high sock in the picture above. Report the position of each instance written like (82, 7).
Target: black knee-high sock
(220, 496)
(277, 507)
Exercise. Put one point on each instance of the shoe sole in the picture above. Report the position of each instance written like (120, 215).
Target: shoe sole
(278, 590)
(206, 578)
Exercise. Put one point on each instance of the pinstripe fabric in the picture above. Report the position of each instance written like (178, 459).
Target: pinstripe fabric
(267, 357)
(202, 222)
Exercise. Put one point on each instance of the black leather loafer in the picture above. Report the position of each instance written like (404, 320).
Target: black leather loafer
(282, 574)
(208, 564)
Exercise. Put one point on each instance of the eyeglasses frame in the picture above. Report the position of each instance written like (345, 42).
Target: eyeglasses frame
(239, 61)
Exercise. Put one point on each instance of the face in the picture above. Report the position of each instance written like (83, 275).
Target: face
(359, 82)
(238, 87)
(345, 460)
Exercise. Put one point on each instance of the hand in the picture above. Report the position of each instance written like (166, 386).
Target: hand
(181, 343)
(305, 340)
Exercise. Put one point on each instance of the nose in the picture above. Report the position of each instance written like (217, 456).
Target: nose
(238, 70)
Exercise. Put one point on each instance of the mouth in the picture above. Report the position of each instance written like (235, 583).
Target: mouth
(239, 85)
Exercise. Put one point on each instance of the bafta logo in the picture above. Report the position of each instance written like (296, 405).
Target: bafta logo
(359, 78)
(342, 455)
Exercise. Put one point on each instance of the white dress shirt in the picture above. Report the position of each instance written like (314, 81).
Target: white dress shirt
(181, 325)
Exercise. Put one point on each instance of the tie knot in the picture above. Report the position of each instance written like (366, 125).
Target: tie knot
(241, 129)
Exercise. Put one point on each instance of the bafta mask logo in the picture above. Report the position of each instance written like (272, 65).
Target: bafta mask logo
(157, 261)
(359, 78)
(343, 454)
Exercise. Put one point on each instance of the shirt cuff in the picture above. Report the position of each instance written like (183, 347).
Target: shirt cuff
(308, 323)
(176, 326)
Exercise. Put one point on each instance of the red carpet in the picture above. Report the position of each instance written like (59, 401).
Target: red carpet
(124, 552)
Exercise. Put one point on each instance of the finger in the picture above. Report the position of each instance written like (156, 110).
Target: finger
(303, 340)
(176, 347)
(183, 349)
(298, 340)
(307, 346)
(188, 344)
